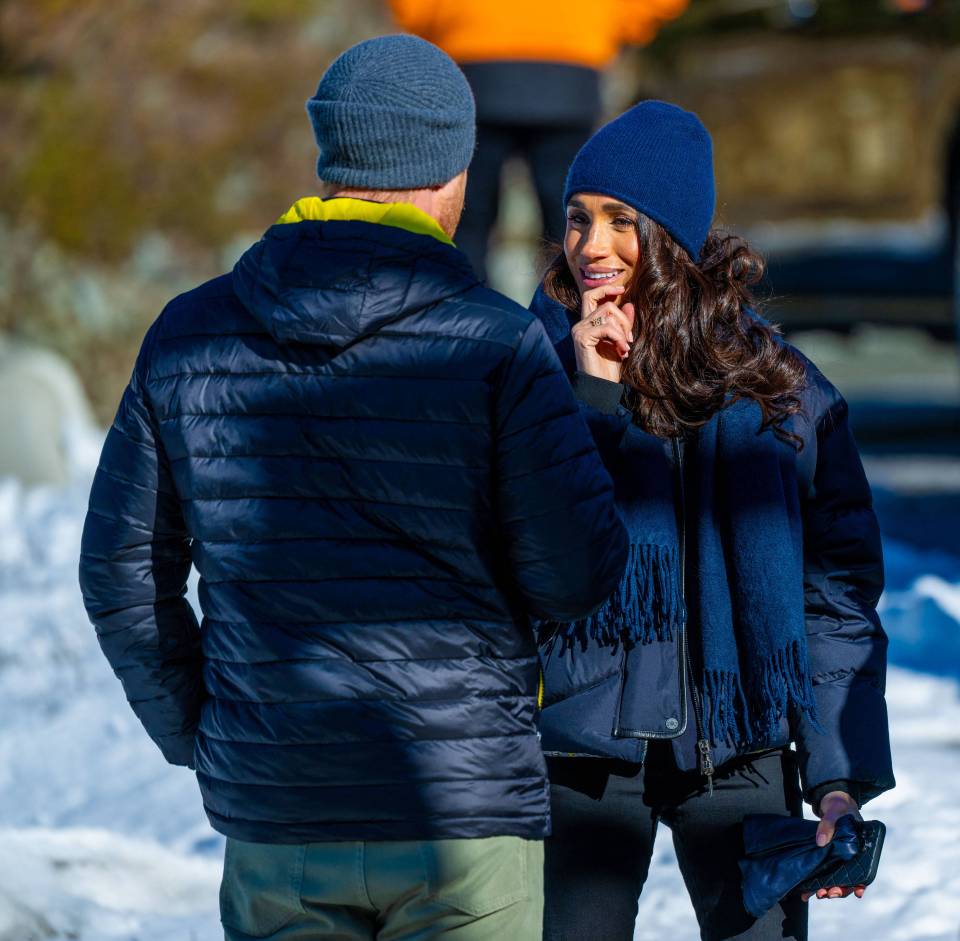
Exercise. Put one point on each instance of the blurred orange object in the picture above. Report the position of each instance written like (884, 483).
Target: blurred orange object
(535, 30)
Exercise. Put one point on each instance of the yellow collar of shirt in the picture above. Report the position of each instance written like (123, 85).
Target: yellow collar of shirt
(347, 209)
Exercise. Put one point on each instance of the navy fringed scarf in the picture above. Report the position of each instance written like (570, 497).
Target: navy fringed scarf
(746, 593)
(744, 584)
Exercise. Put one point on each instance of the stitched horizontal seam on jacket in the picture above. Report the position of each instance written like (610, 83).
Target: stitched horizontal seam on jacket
(249, 580)
(405, 742)
(433, 507)
(505, 478)
(539, 423)
(602, 494)
(139, 442)
(489, 658)
(307, 416)
(412, 783)
(166, 554)
(376, 699)
(175, 694)
(317, 373)
(225, 335)
(185, 655)
(317, 457)
(465, 621)
(432, 335)
(398, 334)
(151, 604)
(336, 460)
(153, 533)
(376, 540)
(105, 471)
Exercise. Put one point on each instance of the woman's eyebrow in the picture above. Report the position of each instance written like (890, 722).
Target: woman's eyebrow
(617, 207)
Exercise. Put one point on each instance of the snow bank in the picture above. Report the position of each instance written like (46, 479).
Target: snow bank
(921, 609)
(95, 885)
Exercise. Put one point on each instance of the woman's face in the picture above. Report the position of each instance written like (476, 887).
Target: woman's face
(601, 243)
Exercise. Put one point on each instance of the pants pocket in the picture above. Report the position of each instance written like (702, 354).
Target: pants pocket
(260, 891)
(478, 877)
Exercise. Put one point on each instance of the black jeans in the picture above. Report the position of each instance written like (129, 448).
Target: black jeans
(548, 151)
(605, 817)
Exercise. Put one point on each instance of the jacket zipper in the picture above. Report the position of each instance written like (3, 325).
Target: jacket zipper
(704, 753)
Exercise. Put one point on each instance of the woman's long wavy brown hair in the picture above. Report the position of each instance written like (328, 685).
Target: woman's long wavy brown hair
(697, 337)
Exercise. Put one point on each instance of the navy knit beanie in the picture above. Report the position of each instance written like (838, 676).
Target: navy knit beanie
(392, 113)
(658, 159)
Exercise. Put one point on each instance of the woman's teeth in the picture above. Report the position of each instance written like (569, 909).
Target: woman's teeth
(600, 275)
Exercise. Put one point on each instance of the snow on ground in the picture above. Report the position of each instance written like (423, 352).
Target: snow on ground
(101, 841)
(98, 885)
(916, 896)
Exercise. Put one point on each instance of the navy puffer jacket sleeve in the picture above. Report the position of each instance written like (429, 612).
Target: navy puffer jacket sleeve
(542, 443)
(843, 580)
(135, 558)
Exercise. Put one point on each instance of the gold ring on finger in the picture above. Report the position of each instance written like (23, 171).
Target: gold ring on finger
(596, 322)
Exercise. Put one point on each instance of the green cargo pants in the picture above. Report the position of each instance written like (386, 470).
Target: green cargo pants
(465, 890)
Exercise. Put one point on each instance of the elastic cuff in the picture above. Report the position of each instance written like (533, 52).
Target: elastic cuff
(821, 790)
(178, 749)
(601, 394)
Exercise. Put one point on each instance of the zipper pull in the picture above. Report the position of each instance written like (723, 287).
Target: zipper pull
(707, 768)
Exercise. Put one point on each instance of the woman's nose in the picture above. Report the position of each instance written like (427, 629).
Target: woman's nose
(594, 245)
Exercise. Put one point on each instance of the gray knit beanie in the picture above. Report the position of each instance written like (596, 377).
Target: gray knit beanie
(391, 113)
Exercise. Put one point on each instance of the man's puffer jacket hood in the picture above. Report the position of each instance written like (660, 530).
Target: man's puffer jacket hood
(381, 474)
(367, 279)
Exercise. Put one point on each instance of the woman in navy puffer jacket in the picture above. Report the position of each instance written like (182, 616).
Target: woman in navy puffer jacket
(746, 619)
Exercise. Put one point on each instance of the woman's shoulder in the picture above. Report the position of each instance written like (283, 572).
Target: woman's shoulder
(819, 396)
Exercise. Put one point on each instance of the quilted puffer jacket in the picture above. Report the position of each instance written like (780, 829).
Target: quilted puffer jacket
(380, 472)
(611, 703)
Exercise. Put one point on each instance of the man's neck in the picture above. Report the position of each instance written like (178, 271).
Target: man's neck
(443, 203)
(424, 199)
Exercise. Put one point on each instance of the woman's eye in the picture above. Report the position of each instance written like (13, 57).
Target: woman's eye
(577, 217)
(622, 221)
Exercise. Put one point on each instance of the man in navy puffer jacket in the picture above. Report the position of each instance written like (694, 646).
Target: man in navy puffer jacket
(379, 470)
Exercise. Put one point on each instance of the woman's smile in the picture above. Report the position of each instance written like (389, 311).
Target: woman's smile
(594, 277)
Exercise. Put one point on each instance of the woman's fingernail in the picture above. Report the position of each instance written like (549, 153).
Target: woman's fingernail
(821, 839)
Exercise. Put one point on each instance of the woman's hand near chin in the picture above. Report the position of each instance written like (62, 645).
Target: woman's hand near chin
(602, 338)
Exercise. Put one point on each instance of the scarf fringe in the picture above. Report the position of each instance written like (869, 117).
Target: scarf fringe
(742, 717)
(646, 606)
